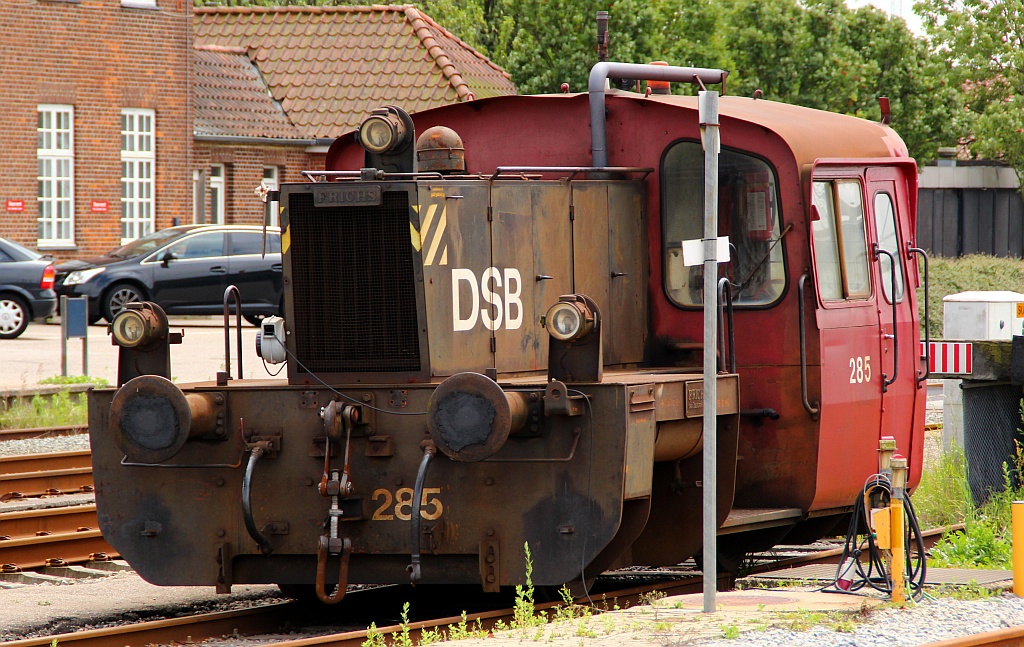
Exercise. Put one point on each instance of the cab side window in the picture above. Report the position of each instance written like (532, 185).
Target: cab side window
(888, 239)
(748, 213)
(840, 243)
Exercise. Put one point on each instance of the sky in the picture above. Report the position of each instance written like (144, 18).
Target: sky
(903, 8)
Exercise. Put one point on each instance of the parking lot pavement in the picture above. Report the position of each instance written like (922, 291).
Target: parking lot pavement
(36, 354)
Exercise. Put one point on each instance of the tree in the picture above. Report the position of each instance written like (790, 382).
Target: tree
(984, 39)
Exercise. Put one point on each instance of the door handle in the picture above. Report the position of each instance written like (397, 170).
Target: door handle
(277, 267)
(219, 269)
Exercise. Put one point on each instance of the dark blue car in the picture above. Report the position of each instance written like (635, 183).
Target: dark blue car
(26, 288)
(185, 270)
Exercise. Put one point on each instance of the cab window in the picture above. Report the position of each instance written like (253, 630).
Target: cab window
(885, 225)
(748, 213)
(840, 244)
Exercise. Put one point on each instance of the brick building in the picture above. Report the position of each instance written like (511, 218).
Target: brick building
(128, 116)
(98, 122)
(274, 86)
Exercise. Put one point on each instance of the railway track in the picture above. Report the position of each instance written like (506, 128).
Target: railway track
(42, 432)
(35, 475)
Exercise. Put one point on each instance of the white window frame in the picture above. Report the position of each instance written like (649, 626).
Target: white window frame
(138, 173)
(272, 180)
(55, 192)
(217, 187)
(139, 4)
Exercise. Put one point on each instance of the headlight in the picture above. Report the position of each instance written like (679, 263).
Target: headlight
(82, 276)
(571, 319)
(137, 326)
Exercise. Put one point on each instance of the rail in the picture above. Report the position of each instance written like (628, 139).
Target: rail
(229, 292)
(921, 377)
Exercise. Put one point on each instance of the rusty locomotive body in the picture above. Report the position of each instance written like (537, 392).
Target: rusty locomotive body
(502, 346)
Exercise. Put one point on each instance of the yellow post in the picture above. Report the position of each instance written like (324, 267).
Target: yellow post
(1017, 525)
(898, 570)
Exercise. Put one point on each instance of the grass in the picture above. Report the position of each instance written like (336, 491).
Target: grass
(944, 498)
(60, 409)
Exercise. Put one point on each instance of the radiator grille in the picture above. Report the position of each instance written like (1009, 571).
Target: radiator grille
(353, 286)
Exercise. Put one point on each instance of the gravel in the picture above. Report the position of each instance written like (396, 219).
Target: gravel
(47, 445)
(929, 621)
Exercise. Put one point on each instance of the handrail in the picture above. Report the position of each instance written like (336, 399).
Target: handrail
(921, 377)
(886, 381)
(725, 296)
(812, 408)
(228, 292)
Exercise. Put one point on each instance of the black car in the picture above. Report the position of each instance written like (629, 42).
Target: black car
(185, 270)
(26, 288)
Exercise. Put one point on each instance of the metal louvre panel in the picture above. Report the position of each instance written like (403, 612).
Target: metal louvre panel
(353, 286)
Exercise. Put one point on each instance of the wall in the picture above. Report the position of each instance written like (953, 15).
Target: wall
(99, 56)
(970, 210)
(243, 170)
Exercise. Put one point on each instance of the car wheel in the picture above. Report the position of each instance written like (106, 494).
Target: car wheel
(118, 297)
(13, 316)
(255, 320)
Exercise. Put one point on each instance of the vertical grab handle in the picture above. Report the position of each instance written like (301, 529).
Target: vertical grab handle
(886, 381)
(725, 297)
(813, 408)
(230, 292)
(921, 377)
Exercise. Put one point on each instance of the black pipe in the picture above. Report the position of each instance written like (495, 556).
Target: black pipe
(417, 495)
(767, 412)
(230, 291)
(250, 524)
(927, 333)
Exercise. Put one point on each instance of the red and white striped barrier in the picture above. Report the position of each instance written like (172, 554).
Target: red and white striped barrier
(950, 357)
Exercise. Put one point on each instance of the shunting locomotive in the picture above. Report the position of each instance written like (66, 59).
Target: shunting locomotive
(493, 337)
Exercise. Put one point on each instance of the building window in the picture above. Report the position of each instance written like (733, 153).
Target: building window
(271, 180)
(138, 159)
(216, 194)
(55, 150)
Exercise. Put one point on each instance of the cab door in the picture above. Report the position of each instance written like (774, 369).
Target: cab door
(898, 334)
(847, 319)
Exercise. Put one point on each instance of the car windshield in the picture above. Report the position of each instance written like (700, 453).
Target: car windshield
(146, 244)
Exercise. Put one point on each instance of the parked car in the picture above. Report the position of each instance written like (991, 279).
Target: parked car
(185, 270)
(26, 288)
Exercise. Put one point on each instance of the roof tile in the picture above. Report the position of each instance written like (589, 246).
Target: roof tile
(328, 66)
(231, 99)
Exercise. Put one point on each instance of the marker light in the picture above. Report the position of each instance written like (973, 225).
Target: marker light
(569, 320)
(380, 131)
(136, 326)
(128, 329)
(563, 321)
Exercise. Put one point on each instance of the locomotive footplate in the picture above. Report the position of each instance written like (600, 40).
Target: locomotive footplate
(574, 472)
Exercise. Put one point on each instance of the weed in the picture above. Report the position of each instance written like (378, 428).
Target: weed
(374, 638)
(650, 597)
(430, 636)
(524, 613)
(970, 591)
(662, 627)
(731, 632)
(402, 638)
(583, 629)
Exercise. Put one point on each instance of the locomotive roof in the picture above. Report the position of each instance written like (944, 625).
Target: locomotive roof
(810, 134)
